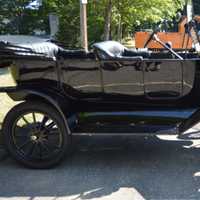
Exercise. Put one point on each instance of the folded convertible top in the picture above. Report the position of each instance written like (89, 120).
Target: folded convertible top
(45, 49)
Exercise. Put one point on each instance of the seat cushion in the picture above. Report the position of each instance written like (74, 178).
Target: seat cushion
(113, 49)
(109, 49)
(46, 48)
(74, 54)
(134, 53)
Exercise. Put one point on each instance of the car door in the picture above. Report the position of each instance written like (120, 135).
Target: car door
(123, 77)
(163, 78)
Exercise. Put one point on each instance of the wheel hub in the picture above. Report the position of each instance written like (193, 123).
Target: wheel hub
(34, 138)
(38, 137)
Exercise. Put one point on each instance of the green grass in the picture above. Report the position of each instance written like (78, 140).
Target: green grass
(129, 42)
(6, 103)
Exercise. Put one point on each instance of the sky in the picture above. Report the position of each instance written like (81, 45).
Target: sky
(35, 4)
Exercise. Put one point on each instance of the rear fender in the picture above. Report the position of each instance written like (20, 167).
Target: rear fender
(53, 98)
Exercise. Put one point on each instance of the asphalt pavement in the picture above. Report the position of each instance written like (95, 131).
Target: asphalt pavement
(111, 168)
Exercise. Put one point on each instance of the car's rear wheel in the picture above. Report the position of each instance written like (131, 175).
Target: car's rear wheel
(35, 135)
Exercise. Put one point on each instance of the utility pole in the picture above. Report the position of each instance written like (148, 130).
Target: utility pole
(54, 24)
(190, 10)
(83, 24)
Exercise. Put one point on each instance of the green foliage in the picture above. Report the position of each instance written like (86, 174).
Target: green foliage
(196, 7)
(16, 18)
(126, 16)
(134, 13)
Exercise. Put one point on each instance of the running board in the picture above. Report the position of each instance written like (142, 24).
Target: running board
(123, 134)
(125, 123)
(124, 130)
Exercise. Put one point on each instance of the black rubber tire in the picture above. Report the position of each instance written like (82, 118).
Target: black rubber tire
(8, 124)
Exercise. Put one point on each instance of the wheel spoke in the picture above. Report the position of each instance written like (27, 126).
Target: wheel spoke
(55, 147)
(53, 132)
(35, 127)
(45, 146)
(44, 150)
(51, 125)
(40, 150)
(44, 121)
(34, 118)
(24, 144)
(21, 131)
(31, 150)
(52, 146)
(21, 136)
(25, 120)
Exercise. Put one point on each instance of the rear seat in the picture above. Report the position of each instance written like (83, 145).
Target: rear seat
(74, 54)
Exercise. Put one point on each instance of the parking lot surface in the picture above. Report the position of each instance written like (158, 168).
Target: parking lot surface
(111, 168)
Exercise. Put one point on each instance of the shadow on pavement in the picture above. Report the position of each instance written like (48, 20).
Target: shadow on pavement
(3, 153)
(112, 168)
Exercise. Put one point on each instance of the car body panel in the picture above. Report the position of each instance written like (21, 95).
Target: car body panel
(80, 83)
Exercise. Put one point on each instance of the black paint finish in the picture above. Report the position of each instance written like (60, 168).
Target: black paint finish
(94, 82)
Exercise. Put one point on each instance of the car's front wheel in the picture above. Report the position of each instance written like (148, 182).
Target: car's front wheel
(35, 135)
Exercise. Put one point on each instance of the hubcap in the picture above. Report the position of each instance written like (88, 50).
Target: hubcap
(34, 138)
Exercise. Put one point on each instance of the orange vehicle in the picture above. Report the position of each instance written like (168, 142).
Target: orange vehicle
(179, 40)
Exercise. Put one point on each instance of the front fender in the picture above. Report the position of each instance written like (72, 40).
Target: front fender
(53, 97)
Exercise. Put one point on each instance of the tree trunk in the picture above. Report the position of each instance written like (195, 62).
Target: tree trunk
(108, 20)
(119, 30)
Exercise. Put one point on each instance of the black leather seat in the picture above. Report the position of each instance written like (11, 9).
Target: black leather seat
(134, 52)
(109, 49)
(114, 50)
(74, 54)
(52, 50)
(47, 48)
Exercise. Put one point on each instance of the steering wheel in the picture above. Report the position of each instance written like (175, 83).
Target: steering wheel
(150, 38)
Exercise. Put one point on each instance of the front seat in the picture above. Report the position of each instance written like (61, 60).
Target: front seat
(114, 50)
(109, 49)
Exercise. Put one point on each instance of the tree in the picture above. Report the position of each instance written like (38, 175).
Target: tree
(196, 5)
(16, 17)
(134, 13)
(107, 19)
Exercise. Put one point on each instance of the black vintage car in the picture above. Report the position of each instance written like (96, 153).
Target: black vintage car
(111, 90)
